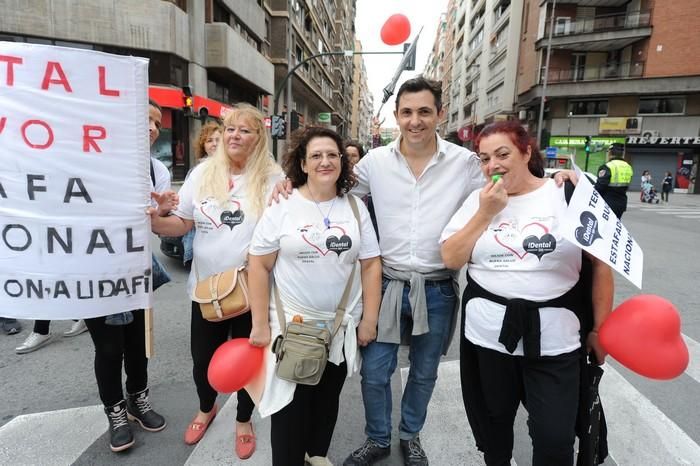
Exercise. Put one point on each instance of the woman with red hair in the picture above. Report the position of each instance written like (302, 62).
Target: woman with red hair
(526, 326)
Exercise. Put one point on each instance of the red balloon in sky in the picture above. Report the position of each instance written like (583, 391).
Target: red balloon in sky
(644, 335)
(234, 365)
(396, 30)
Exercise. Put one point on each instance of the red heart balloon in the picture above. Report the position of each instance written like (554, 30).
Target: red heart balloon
(396, 30)
(234, 364)
(644, 335)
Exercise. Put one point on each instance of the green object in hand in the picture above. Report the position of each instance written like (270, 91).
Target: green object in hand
(495, 178)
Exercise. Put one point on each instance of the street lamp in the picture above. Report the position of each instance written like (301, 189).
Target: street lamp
(568, 139)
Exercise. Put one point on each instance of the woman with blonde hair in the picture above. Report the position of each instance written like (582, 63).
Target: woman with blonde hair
(223, 199)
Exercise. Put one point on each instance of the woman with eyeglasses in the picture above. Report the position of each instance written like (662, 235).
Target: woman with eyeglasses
(310, 243)
(238, 177)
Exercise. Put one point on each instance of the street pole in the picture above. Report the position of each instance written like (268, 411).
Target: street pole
(568, 140)
(289, 86)
(546, 75)
(286, 80)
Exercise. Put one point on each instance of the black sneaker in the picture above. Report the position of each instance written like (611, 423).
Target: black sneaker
(367, 454)
(120, 436)
(413, 453)
(139, 409)
(10, 326)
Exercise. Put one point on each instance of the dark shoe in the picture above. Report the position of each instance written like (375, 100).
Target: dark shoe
(120, 436)
(367, 454)
(10, 326)
(139, 409)
(413, 453)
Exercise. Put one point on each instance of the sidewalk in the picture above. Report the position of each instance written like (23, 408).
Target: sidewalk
(675, 200)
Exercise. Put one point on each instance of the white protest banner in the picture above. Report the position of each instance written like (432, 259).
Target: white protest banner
(590, 224)
(74, 183)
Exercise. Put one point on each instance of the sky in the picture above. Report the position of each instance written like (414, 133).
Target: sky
(369, 19)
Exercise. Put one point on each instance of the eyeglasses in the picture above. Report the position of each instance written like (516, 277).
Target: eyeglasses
(318, 156)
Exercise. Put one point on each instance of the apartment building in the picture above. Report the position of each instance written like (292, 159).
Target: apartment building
(362, 102)
(300, 29)
(483, 66)
(619, 71)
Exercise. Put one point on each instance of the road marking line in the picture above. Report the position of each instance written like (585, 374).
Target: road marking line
(688, 212)
(52, 437)
(688, 216)
(638, 432)
(693, 369)
(446, 435)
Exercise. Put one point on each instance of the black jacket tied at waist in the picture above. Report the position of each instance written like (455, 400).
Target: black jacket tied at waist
(522, 316)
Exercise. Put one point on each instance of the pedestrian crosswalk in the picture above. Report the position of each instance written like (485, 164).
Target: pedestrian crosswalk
(639, 432)
(687, 212)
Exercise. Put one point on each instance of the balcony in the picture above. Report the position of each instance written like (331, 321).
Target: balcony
(598, 33)
(625, 70)
(226, 49)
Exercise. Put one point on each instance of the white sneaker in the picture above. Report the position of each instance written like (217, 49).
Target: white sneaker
(77, 328)
(317, 460)
(33, 342)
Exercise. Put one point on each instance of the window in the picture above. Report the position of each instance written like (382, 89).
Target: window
(501, 8)
(662, 105)
(476, 40)
(588, 107)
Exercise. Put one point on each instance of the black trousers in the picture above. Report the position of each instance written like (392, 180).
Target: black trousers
(306, 424)
(114, 344)
(42, 327)
(548, 387)
(205, 338)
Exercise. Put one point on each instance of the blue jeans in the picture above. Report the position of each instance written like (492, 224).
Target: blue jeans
(187, 240)
(379, 362)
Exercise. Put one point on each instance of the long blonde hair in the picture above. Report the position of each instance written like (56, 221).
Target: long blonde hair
(259, 167)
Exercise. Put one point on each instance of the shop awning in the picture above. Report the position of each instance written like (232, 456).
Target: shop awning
(173, 97)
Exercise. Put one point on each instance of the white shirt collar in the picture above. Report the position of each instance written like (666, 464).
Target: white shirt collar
(395, 146)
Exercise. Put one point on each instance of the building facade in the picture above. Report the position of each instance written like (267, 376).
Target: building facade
(480, 69)
(362, 102)
(619, 71)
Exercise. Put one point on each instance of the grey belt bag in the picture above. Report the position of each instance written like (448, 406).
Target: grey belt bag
(303, 347)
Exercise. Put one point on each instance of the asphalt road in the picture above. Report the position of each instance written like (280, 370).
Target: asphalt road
(60, 376)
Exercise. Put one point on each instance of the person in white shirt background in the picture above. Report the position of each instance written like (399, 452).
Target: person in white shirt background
(310, 243)
(529, 319)
(222, 200)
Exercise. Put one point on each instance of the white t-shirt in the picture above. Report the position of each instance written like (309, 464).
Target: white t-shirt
(222, 233)
(412, 212)
(162, 178)
(522, 254)
(312, 268)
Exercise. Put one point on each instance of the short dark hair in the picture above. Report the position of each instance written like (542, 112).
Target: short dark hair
(616, 149)
(520, 138)
(297, 154)
(418, 84)
(356, 145)
(153, 103)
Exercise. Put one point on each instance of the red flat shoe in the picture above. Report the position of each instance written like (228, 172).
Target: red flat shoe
(196, 430)
(245, 444)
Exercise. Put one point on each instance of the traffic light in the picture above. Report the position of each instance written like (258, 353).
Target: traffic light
(279, 127)
(587, 146)
(187, 101)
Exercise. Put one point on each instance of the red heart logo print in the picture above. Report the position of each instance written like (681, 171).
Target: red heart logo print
(317, 238)
(512, 239)
(219, 217)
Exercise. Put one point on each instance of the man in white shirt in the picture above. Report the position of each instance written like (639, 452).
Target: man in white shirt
(417, 183)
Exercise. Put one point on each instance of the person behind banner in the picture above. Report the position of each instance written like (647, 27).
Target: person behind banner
(311, 243)
(207, 142)
(122, 338)
(614, 178)
(523, 329)
(222, 200)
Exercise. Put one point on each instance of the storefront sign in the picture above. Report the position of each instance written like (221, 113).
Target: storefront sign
(74, 183)
(693, 141)
(620, 125)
